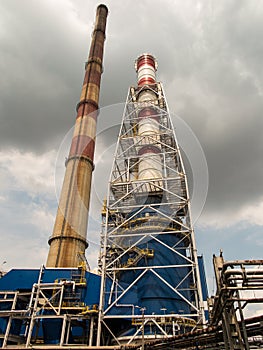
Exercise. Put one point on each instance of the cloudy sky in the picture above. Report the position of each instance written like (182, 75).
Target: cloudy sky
(210, 57)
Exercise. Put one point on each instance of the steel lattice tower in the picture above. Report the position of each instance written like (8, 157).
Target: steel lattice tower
(150, 276)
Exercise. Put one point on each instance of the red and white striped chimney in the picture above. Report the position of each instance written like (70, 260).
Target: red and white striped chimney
(146, 67)
(150, 166)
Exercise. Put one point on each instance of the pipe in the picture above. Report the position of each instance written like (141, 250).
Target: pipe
(150, 163)
(69, 233)
(146, 67)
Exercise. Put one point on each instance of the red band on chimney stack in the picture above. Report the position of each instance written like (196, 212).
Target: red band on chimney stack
(146, 67)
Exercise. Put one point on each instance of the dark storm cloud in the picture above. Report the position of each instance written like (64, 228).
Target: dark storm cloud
(40, 71)
(224, 104)
(209, 53)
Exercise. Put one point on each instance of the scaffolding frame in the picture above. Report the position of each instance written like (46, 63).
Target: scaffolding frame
(228, 328)
(49, 301)
(235, 281)
(118, 225)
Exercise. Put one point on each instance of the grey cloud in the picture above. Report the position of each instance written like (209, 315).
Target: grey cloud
(223, 103)
(210, 56)
(40, 46)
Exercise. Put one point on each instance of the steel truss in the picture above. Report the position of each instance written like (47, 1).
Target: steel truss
(237, 281)
(133, 223)
(57, 304)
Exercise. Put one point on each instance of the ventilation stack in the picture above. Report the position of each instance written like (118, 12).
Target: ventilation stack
(150, 275)
(68, 241)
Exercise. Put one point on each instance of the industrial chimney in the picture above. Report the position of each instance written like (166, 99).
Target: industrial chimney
(68, 241)
(150, 279)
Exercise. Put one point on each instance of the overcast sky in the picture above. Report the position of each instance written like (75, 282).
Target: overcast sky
(210, 56)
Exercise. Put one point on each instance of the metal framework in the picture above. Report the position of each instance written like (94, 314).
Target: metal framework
(239, 284)
(60, 303)
(147, 232)
(237, 281)
(53, 308)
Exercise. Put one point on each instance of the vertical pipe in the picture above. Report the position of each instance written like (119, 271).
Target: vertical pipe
(146, 66)
(68, 240)
(63, 330)
(91, 330)
(7, 331)
(150, 166)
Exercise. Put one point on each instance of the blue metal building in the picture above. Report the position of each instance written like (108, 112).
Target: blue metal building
(48, 306)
